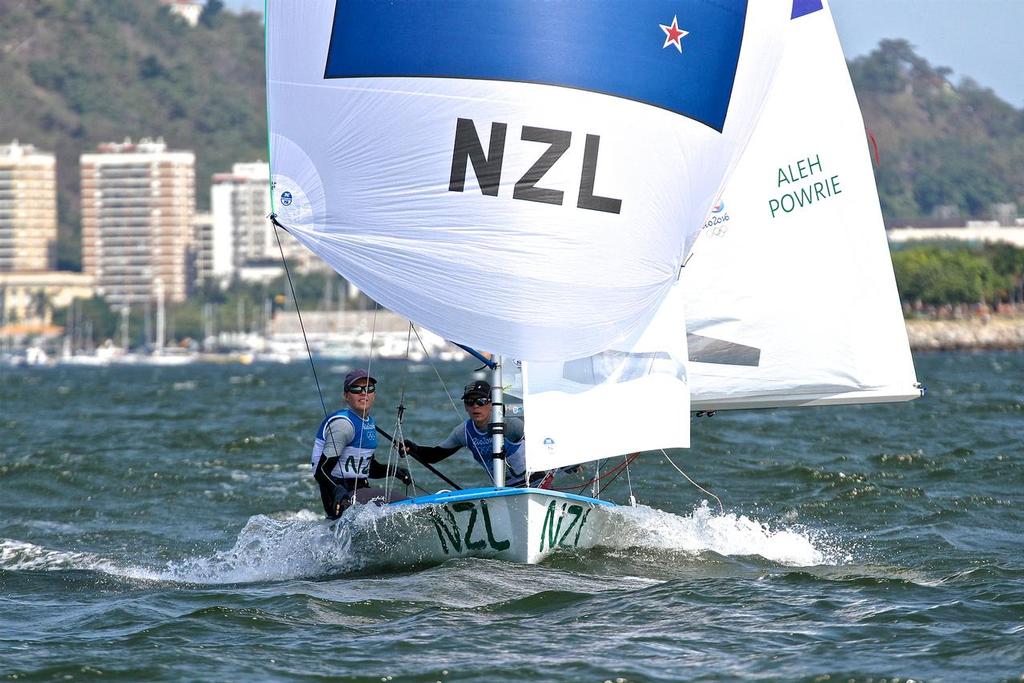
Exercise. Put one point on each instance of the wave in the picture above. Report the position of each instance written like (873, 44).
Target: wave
(726, 534)
(22, 556)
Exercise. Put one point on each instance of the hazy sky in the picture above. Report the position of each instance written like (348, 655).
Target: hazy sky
(977, 38)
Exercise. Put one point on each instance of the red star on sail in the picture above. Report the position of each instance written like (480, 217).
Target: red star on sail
(673, 34)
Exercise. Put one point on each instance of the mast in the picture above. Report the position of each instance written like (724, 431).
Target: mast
(159, 343)
(125, 312)
(497, 426)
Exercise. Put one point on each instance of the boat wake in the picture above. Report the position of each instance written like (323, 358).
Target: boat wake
(286, 546)
(725, 534)
(301, 545)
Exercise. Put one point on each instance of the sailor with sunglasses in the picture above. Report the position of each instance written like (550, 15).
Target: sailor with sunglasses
(474, 434)
(342, 459)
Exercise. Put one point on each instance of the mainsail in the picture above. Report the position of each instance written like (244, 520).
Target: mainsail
(520, 177)
(790, 294)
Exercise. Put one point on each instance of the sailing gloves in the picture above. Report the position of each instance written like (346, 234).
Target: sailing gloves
(402, 475)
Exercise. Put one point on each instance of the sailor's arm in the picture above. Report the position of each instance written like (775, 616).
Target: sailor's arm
(378, 470)
(432, 454)
(338, 433)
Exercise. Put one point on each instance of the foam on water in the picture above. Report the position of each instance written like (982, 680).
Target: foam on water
(301, 545)
(21, 556)
(725, 534)
(290, 546)
(268, 548)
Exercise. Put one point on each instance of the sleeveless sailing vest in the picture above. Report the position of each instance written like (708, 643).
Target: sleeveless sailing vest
(480, 445)
(354, 458)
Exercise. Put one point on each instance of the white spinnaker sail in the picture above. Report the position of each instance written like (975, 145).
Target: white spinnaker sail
(519, 177)
(790, 294)
(618, 401)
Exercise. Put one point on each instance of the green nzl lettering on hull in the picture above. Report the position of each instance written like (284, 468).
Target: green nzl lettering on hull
(553, 533)
(443, 529)
(449, 532)
(496, 544)
(463, 507)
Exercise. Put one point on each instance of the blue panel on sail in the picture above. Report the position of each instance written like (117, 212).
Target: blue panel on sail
(802, 7)
(679, 55)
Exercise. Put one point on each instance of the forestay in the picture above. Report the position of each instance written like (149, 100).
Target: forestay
(520, 177)
(790, 294)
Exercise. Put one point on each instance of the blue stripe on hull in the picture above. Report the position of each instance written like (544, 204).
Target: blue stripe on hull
(491, 492)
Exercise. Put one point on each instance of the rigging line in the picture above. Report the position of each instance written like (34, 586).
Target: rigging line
(305, 339)
(400, 438)
(373, 334)
(439, 378)
(618, 471)
(615, 470)
(425, 464)
(399, 435)
(291, 285)
(629, 481)
(369, 364)
(721, 509)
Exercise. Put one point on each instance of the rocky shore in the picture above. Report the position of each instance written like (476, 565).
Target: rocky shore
(983, 332)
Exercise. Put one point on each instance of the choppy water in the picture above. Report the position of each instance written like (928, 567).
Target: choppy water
(160, 524)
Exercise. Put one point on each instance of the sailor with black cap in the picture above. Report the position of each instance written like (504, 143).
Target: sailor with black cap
(475, 435)
(342, 456)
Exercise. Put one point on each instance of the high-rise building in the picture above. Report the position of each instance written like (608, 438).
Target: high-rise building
(243, 236)
(138, 202)
(28, 209)
(201, 262)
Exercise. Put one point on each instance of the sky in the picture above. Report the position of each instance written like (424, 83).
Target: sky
(977, 38)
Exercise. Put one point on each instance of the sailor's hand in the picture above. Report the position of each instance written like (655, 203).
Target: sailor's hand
(408, 448)
(340, 493)
(402, 475)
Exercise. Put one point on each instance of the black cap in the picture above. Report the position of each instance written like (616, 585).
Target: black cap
(478, 389)
(357, 375)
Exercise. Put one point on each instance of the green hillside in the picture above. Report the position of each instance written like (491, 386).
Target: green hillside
(939, 144)
(79, 72)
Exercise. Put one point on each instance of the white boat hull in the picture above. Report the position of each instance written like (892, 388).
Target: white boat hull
(517, 525)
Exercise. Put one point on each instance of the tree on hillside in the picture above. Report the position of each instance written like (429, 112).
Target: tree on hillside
(933, 275)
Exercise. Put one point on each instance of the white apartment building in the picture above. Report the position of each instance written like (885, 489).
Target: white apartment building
(138, 202)
(202, 249)
(243, 236)
(28, 209)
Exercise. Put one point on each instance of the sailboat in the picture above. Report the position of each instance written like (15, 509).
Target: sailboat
(646, 206)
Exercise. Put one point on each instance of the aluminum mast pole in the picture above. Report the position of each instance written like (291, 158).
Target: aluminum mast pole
(497, 426)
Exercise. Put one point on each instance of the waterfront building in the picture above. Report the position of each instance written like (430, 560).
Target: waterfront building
(243, 237)
(201, 260)
(28, 209)
(240, 204)
(187, 10)
(28, 299)
(138, 202)
(974, 231)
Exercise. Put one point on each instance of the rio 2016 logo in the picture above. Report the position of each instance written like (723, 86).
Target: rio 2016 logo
(719, 217)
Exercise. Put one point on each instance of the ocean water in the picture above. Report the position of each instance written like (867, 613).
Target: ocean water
(161, 524)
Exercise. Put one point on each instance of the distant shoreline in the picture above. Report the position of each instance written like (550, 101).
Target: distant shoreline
(983, 332)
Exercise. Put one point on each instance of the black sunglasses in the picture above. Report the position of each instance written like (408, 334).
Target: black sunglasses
(369, 389)
(481, 401)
